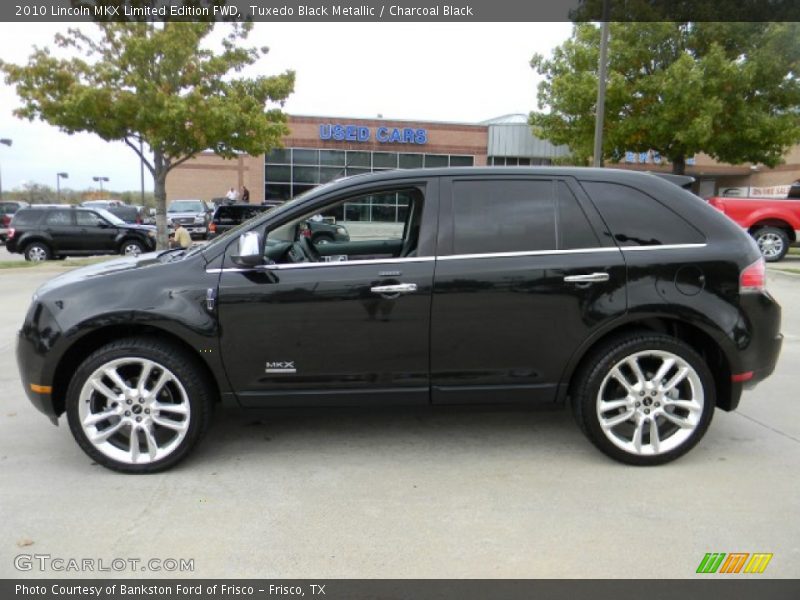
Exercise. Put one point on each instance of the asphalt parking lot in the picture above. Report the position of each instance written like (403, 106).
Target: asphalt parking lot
(474, 493)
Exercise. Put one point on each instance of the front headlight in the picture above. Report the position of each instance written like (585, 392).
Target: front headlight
(341, 230)
(199, 220)
(151, 234)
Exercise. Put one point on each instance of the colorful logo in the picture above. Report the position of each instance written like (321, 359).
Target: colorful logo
(735, 562)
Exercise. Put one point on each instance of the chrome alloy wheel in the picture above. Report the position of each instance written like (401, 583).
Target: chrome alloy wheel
(131, 249)
(770, 244)
(37, 254)
(134, 410)
(650, 402)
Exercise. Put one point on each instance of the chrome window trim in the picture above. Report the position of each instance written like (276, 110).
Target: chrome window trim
(572, 251)
(663, 247)
(312, 265)
(526, 253)
(380, 261)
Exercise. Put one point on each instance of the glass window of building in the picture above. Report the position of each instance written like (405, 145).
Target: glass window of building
(291, 171)
(411, 161)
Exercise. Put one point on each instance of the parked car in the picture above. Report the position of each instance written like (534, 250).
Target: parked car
(613, 292)
(7, 210)
(45, 233)
(126, 212)
(228, 216)
(194, 215)
(772, 222)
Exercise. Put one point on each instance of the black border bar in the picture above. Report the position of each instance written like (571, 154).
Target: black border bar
(31, 11)
(705, 587)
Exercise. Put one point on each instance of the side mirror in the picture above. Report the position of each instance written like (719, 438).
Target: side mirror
(249, 253)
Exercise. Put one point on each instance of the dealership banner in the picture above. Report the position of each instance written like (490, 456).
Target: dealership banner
(397, 10)
(400, 589)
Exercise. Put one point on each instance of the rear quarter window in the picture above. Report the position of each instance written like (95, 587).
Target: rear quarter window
(26, 218)
(637, 219)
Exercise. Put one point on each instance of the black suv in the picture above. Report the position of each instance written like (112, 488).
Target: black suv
(228, 216)
(617, 293)
(55, 232)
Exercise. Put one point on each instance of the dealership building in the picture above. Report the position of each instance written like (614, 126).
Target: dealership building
(321, 149)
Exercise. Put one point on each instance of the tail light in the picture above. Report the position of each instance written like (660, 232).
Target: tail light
(753, 279)
(10, 234)
(212, 227)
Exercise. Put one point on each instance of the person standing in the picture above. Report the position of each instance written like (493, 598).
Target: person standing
(231, 195)
(245, 195)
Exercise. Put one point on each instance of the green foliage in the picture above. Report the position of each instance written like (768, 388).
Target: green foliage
(159, 84)
(730, 90)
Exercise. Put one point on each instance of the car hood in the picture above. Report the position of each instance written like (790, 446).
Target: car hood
(137, 227)
(118, 265)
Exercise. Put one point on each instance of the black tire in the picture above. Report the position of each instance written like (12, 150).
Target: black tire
(126, 248)
(773, 243)
(322, 238)
(597, 372)
(37, 252)
(167, 358)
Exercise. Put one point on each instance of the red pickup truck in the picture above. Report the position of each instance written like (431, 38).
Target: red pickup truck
(773, 222)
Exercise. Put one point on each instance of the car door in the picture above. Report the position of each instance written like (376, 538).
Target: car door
(59, 224)
(333, 332)
(97, 234)
(523, 277)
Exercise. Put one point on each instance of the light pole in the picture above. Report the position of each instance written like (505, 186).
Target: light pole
(59, 177)
(100, 180)
(7, 142)
(597, 159)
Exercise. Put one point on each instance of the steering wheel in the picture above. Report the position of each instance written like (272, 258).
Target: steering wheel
(309, 249)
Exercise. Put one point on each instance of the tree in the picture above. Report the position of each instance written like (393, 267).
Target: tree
(160, 85)
(730, 90)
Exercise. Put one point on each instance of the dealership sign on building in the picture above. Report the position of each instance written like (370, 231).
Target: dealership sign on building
(382, 135)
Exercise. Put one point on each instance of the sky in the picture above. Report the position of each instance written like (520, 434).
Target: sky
(462, 72)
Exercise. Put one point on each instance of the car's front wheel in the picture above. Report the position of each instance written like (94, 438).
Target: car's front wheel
(138, 405)
(131, 248)
(773, 243)
(644, 399)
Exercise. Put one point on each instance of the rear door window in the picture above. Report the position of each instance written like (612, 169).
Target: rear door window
(574, 229)
(58, 218)
(637, 219)
(499, 215)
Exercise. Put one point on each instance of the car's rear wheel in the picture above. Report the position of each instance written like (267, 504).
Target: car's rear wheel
(37, 252)
(131, 248)
(138, 405)
(772, 242)
(644, 399)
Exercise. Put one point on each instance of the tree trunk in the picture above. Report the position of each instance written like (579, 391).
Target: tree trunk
(679, 164)
(160, 192)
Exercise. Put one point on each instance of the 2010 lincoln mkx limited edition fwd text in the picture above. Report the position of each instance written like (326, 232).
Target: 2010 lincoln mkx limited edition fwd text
(618, 294)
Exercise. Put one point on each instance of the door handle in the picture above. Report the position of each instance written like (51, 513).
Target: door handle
(400, 288)
(589, 278)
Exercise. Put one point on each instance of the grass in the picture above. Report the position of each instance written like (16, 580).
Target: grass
(790, 270)
(795, 251)
(68, 263)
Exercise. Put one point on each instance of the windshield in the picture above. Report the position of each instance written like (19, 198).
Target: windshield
(223, 239)
(186, 206)
(111, 218)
